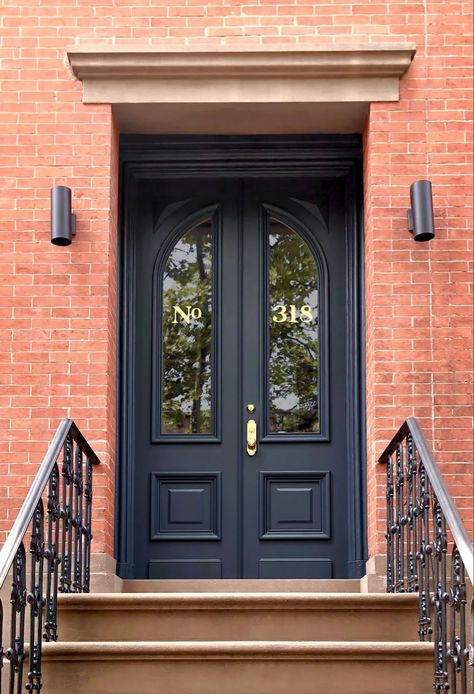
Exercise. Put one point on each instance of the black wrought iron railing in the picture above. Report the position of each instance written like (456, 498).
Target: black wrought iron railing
(429, 552)
(47, 551)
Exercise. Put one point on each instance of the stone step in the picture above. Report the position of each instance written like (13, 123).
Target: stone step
(237, 616)
(242, 585)
(233, 667)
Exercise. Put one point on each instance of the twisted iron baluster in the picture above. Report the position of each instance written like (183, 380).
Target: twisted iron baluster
(458, 652)
(423, 555)
(77, 521)
(35, 599)
(400, 524)
(440, 598)
(391, 528)
(409, 519)
(87, 527)
(66, 516)
(52, 557)
(16, 652)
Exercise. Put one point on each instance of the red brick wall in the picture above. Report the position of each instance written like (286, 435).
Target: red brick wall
(57, 310)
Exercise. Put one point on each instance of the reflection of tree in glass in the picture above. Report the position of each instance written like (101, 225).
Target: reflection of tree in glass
(186, 350)
(294, 346)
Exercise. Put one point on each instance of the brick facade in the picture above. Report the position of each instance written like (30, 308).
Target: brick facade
(58, 305)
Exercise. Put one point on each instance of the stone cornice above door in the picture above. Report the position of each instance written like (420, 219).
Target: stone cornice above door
(316, 89)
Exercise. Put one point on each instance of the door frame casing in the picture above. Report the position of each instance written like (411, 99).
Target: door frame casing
(229, 156)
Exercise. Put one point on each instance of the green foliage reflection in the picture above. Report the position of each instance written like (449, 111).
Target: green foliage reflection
(294, 343)
(187, 341)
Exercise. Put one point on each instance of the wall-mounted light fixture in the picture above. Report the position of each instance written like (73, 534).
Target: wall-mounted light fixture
(420, 215)
(63, 221)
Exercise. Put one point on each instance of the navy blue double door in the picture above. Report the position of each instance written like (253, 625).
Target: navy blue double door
(239, 379)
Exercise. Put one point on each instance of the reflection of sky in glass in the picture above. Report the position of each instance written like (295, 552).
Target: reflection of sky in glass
(294, 346)
(186, 353)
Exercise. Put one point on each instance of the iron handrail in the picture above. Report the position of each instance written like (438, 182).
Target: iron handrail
(455, 524)
(20, 526)
(429, 553)
(56, 515)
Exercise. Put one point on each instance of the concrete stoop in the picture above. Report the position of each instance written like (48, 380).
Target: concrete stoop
(239, 641)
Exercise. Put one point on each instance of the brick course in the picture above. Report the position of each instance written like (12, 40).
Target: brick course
(58, 305)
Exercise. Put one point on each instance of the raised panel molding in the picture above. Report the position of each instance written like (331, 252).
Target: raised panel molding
(185, 506)
(281, 90)
(295, 505)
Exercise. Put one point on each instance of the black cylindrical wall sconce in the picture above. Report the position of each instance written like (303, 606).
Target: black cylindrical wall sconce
(63, 222)
(420, 216)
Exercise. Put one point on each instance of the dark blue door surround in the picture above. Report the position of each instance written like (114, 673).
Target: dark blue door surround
(240, 308)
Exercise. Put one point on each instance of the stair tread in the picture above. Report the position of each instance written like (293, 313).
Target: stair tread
(347, 585)
(237, 600)
(335, 650)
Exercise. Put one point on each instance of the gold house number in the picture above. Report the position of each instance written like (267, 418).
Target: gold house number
(291, 315)
(192, 312)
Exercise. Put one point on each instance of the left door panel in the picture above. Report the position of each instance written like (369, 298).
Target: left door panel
(186, 403)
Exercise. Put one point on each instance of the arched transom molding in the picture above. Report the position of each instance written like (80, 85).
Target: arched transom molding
(317, 89)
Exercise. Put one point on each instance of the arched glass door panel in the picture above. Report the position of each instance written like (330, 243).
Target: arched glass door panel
(187, 334)
(294, 339)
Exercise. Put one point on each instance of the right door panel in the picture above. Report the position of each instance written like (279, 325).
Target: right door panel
(294, 356)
